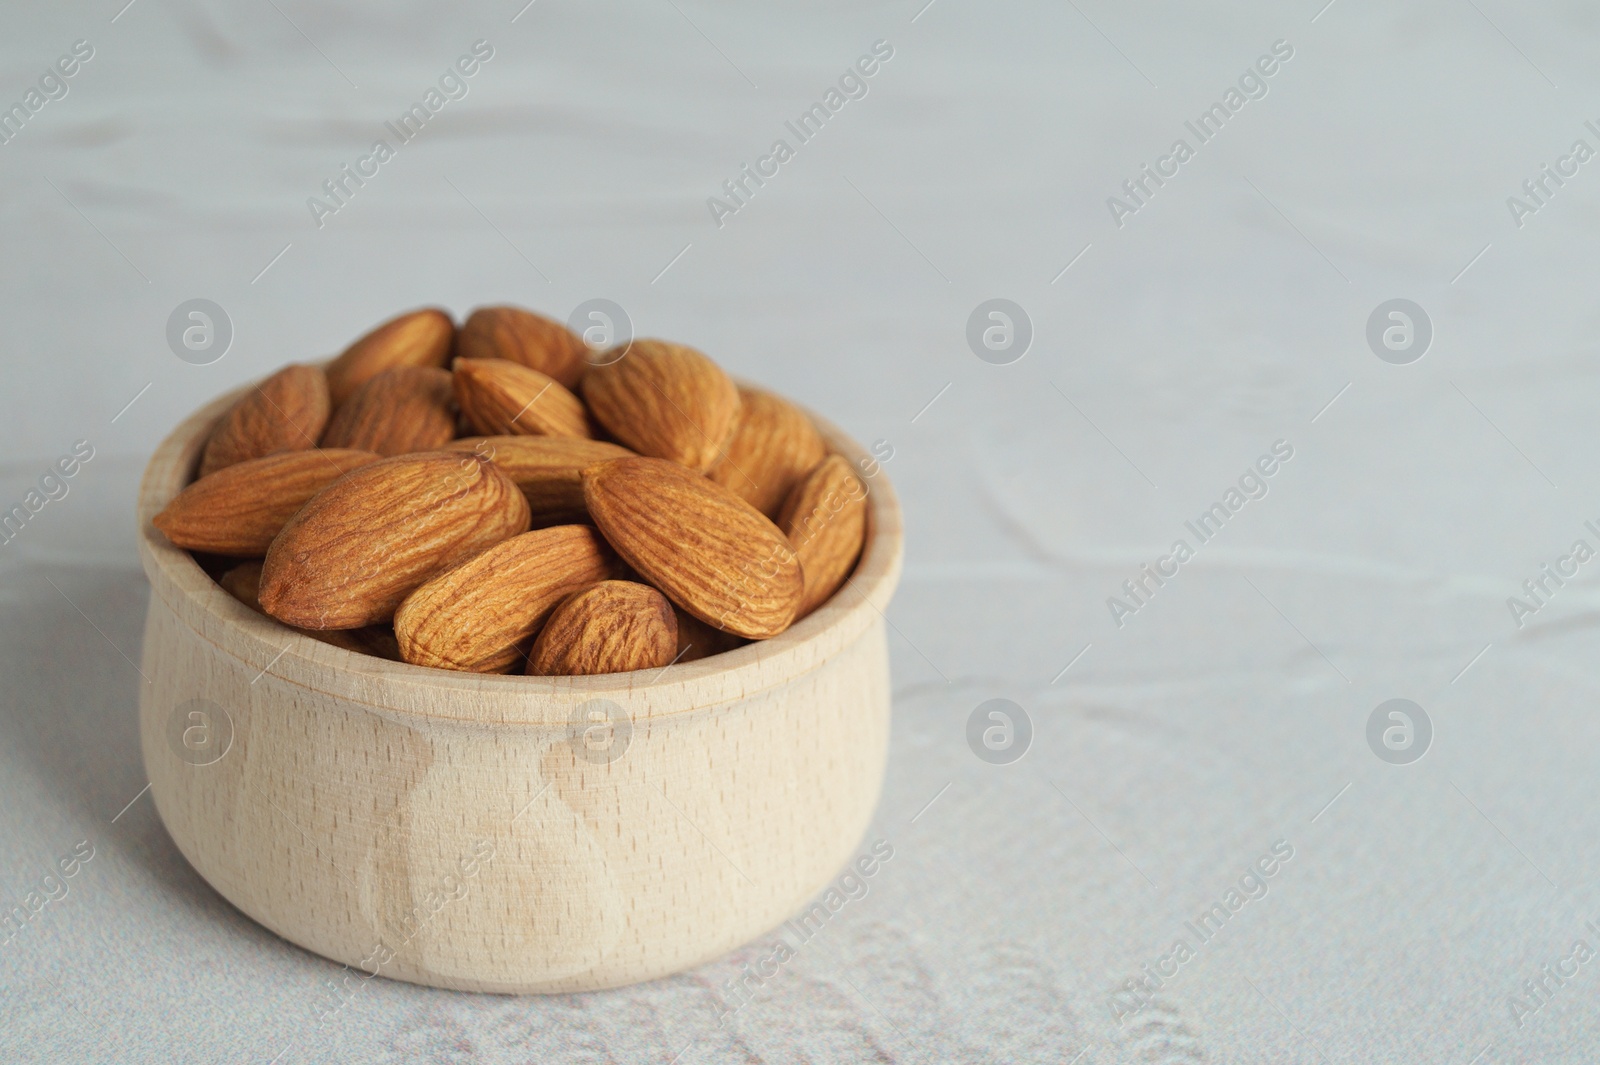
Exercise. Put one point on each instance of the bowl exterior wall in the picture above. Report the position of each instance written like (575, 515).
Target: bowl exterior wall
(510, 858)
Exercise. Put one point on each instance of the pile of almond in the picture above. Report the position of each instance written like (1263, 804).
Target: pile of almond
(498, 498)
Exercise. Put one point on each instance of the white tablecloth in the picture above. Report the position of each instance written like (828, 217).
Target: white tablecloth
(1177, 338)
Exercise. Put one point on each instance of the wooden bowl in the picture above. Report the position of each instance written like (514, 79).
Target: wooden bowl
(501, 833)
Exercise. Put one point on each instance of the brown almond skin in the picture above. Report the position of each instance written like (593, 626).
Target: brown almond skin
(479, 615)
(244, 581)
(416, 338)
(521, 336)
(286, 412)
(239, 509)
(375, 640)
(409, 408)
(697, 640)
(610, 627)
(773, 445)
(709, 551)
(825, 518)
(360, 546)
(501, 397)
(548, 469)
(665, 401)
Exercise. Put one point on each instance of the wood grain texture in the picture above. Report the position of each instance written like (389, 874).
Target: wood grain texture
(353, 789)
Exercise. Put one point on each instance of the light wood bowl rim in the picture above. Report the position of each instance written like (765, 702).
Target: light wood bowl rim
(409, 692)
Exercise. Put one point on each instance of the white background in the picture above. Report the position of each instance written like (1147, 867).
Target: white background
(1221, 317)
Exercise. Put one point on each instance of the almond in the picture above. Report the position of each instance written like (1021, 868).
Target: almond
(410, 408)
(697, 640)
(666, 401)
(240, 508)
(417, 338)
(286, 412)
(548, 469)
(825, 518)
(773, 445)
(712, 553)
(360, 546)
(479, 615)
(610, 627)
(504, 397)
(532, 340)
(375, 640)
(243, 582)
